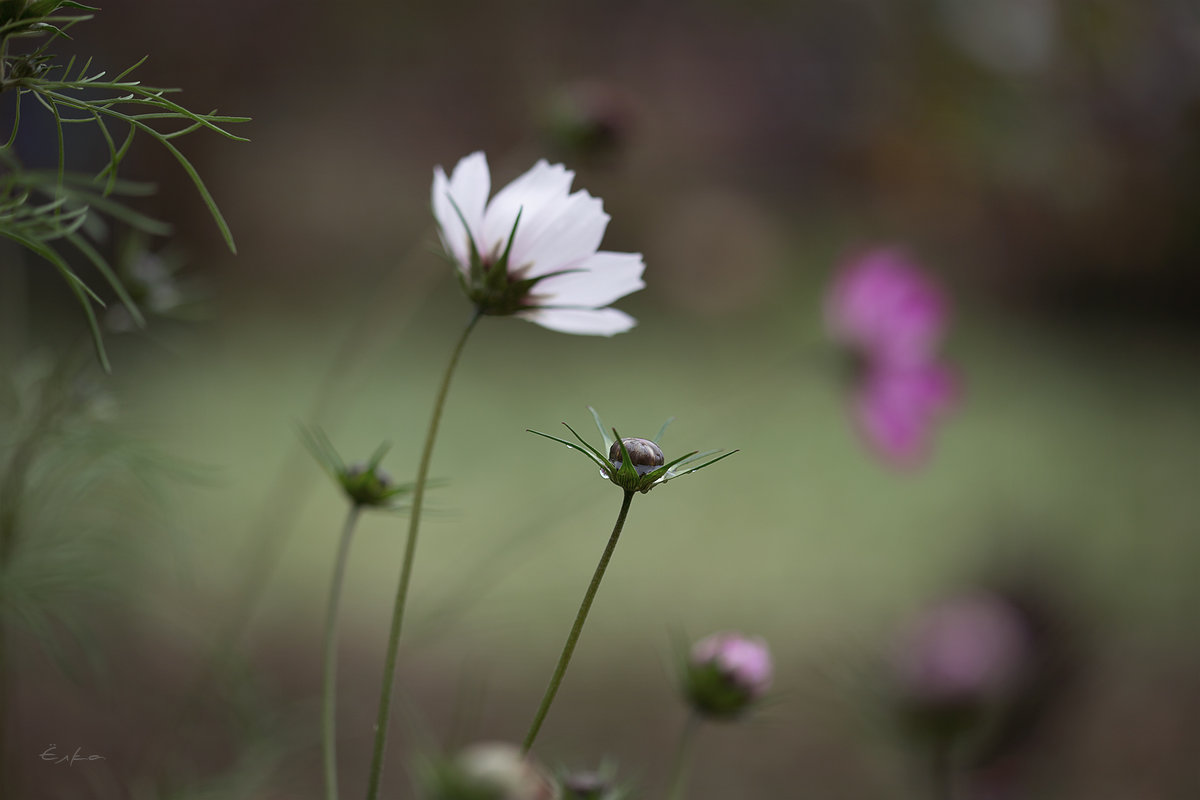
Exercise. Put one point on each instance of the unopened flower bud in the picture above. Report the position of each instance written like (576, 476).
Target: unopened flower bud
(647, 466)
(367, 486)
(726, 673)
(645, 454)
(591, 121)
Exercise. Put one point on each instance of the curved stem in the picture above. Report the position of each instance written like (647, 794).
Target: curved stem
(683, 756)
(577, 628)
(329, 699)
(414, 522)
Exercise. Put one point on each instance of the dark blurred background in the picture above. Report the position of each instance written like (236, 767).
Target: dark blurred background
(1040, 157)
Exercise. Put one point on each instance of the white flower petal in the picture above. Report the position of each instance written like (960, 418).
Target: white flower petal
(559, 237)
(591, 322)
(603, 278)
(468, 186)
(543, 188)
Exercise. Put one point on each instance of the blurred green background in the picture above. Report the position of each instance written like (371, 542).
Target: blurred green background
(1041, 158)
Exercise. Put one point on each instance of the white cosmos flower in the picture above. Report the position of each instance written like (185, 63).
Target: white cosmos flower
(533, 250)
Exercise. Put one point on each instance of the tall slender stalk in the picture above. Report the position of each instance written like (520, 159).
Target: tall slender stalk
(329, 699)
(414, 522)
(683, 756)
(577, 628)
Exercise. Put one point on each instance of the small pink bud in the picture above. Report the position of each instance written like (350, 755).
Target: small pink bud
(726, 673)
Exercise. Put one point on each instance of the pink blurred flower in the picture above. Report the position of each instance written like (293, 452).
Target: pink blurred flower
(897, 407)
(893, 317)
(883, 305)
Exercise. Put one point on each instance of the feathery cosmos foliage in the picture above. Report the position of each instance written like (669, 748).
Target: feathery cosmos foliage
(44, 210)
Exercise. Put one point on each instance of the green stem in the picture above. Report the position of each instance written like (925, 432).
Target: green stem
(577, 628)
(942, 772)
(683, 756)
(329, 709)
(414, 522)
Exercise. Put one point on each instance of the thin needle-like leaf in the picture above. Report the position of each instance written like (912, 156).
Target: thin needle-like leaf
(98, 261)
(586, 451)
(603, 457)
(12, 137)
(608, 441)
(658, 437)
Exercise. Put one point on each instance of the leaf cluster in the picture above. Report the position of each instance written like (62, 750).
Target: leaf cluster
(72, 487)
(47, 211)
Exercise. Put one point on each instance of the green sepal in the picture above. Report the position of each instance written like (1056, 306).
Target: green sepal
(712, 693)
(658, 437)
(608, 442)
(571, 445)
(601, 458)
(318, 445)
(502, 264)
(659, 472)
(702, 466)
(628, 473)
(378, 455)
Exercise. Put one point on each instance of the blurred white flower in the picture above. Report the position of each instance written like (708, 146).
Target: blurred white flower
(532, 251)
(492, 770)
(1009, 36)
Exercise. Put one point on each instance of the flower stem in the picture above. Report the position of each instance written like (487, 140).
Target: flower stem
(414, 522)
(329, 699)
(577, 628)
(941, 772)
(683, 756)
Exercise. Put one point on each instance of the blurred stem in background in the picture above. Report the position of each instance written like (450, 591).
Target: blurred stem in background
(577, 628)
(12, 336)
(941, 771)
(267, 534)
(329, 699)
(683, 756)
(414, 523)
(47, 414)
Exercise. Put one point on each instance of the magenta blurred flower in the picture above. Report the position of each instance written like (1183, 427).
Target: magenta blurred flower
(967, 651)
(726, 673)
(532, 250)
(893, 317)
(896, 407)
